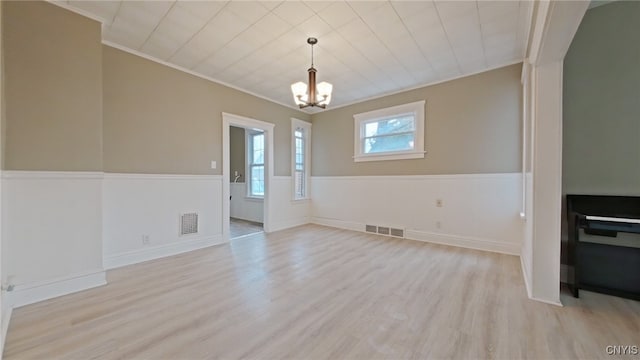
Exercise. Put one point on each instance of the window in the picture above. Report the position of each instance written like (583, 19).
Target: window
(300, 136)
(390, 134)
(255, 162)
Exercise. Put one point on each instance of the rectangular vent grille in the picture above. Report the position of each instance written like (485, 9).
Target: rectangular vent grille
(189, 224)
(397, 232)
(384, 230)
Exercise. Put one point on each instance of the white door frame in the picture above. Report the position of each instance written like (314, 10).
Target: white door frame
(229, 120)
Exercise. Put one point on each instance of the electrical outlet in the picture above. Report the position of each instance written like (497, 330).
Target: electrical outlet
(146, 240)
(438, 225)
(438, 202)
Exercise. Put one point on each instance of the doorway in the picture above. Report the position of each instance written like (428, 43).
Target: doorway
(246, 154)
(247, 175)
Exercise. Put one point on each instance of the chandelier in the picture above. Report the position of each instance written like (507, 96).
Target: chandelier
(319, 95)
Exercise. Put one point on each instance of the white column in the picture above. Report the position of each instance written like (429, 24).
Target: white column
(547, 182)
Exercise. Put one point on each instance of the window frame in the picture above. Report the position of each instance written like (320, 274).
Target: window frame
(249, 134)
(306, 127)
(360, 120)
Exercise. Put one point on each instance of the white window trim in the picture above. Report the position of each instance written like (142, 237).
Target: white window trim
(295, 123)
(248, 159)
(417, 153)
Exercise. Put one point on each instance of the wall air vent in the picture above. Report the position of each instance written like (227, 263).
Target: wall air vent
(189, 224)
(397, 232)
(383, 230)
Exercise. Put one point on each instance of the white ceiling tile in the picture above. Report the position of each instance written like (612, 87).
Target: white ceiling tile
(500, 41)
(365, 7)
(127, 34)
(382, 18)
(496, 10)
(270, 4)
(271, 27)
(463, 29)
(315, 27)
(202, 9)
(293, 12)
(209, 67)
(506, 25)
(338, 14)
(292, 39)
(182, 20)
(105, 10)
(249, 11)
(407, 9)
(366, 48)
(159, 50)
(455, 9)
(143, 14)
(417, 22)
(189, 56)
(318, 5)
(355, 30)
(226, 25)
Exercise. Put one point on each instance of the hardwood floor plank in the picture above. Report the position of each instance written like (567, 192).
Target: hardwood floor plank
(316, 292)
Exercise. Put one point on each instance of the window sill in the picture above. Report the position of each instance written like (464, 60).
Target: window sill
(397, 156)
(301, 200)
(254, 198)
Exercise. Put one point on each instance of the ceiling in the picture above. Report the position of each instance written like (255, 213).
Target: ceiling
(365, 49)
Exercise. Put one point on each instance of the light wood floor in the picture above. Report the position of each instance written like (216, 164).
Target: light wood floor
(239, 227)
(319, 293)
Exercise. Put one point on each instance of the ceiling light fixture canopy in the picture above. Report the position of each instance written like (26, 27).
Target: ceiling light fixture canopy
(319, 95)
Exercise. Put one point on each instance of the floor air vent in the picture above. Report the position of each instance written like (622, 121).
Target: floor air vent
(371, 228)
(189, 224)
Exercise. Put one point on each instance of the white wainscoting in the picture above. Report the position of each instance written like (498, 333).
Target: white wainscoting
(479, 211)
(51, 233)
(243, 207)
(137, 205)
(286, 212)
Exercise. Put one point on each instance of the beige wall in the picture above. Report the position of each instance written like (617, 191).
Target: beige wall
(53, 80)
(473, 125)
(161, 120)
(237, 155)
(601, 101)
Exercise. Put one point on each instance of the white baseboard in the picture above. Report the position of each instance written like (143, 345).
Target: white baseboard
(550, 302)
(529, 289)
(525, 276)
(445, 239)
(157, 252)
(289, 223)
(340, 224)
(464, 242)
(26, 294)
(7, 310)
